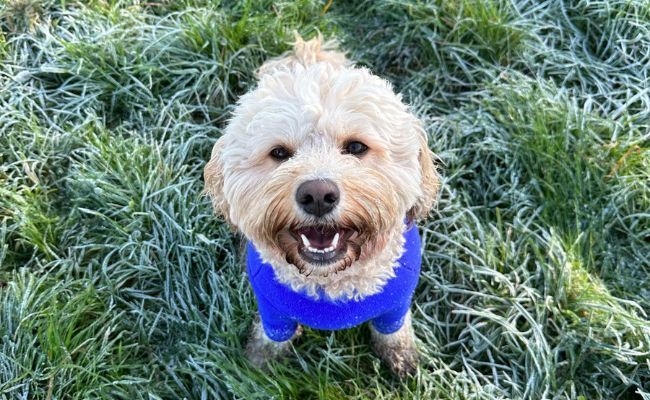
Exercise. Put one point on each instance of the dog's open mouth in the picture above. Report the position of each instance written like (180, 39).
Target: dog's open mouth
(322, 244)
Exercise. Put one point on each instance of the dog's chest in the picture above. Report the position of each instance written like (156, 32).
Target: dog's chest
(333, 314)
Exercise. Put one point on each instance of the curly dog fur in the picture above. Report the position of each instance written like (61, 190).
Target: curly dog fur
(320, 167)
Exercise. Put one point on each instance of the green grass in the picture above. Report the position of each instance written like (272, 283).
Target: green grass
(116, 281)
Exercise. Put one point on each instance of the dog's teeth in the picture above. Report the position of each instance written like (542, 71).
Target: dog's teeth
(315, 250)
(305, 241)
(335, 242)
(312, 249)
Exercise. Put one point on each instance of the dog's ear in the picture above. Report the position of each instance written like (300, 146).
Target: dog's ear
(430, 180)
(213, 176)
(306, 53)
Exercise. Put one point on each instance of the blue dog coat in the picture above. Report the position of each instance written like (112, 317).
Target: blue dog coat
(281, 309)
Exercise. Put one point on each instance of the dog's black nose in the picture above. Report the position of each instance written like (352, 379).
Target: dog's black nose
(317, 197)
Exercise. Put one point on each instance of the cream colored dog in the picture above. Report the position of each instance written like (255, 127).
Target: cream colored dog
(323, 169)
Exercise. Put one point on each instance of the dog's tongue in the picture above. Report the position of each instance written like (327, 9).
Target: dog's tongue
(319, 237)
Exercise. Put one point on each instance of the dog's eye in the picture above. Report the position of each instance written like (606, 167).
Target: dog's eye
(280, 153)
(355, 148)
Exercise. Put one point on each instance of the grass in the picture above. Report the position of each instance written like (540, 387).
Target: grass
(116, 281)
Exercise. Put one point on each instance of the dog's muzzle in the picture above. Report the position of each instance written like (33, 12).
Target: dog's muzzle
(321, 243)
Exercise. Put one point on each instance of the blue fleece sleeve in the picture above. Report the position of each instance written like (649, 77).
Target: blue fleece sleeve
(401, 290)
(277, 326)
(391, 321)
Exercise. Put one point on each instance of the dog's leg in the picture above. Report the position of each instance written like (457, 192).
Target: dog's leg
(397, 349)
(261, 349)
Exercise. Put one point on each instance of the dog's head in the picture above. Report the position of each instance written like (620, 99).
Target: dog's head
(321, 164)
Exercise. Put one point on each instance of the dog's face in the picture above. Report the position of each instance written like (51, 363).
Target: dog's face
(320, 167)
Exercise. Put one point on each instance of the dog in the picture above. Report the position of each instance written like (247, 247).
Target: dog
(325, 171)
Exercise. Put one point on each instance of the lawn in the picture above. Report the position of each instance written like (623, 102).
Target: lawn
(117, 282)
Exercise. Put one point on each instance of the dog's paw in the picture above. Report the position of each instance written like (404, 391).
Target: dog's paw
(260, 353)
(260, 349)
(397, 349)
(402, 360)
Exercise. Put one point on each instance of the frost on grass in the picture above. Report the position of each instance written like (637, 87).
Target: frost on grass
(117, 281)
